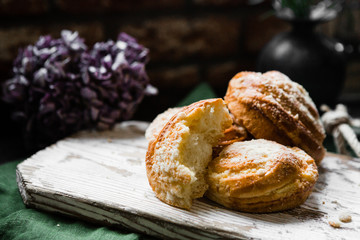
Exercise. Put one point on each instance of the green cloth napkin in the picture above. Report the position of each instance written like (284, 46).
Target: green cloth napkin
(18, 222)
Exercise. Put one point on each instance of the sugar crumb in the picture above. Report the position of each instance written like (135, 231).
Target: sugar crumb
(58, 225)
(334, 224)
(345, 218)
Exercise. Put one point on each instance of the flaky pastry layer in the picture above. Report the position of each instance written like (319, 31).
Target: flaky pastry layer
(159, 122)
(261, 176)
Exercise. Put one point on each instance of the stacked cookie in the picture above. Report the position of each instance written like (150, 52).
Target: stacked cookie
(253, 152)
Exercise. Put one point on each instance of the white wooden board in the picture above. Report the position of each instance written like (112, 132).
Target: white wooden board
(100, 177)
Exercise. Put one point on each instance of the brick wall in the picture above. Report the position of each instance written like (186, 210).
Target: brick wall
(190, 41)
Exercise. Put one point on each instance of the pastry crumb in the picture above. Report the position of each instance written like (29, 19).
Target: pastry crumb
(109, 140)
(334, 201)
(345, 218)
(334, 224)
(323, 202)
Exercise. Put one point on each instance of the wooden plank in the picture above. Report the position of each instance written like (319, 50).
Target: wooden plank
(100, 177)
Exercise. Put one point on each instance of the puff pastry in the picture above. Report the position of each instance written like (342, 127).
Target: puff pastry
(176, 160)
(273, 107)
(261, 176)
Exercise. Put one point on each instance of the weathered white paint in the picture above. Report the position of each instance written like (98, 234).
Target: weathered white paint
(100, 177)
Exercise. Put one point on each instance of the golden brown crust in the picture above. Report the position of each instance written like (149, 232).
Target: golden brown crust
(261, 176)
(273, 107)
(170, 174)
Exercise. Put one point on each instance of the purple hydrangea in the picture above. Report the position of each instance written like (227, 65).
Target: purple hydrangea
(114, 73)
(59, 87)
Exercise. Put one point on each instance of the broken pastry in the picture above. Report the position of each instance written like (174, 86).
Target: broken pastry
(176, 161)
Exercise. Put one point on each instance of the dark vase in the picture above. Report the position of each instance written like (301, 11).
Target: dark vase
(314, 60)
